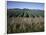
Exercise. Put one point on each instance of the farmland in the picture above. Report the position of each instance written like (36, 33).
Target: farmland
(25, 20)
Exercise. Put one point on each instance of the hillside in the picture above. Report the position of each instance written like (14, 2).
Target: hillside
(25, 12)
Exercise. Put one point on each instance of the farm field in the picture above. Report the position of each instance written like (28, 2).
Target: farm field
(25, 20)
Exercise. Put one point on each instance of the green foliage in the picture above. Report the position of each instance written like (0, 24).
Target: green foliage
(25, 13)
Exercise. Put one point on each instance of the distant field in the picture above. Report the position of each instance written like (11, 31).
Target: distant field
(25, 20)
(25, 13)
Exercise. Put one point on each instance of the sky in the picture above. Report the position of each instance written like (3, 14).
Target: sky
(28, 5)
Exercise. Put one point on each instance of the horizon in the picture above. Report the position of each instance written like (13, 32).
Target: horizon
(27, 5)
(25, 8)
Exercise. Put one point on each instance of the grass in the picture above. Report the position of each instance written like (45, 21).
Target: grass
(25, 24)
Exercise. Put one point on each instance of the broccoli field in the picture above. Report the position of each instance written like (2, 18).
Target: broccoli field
(25, 20)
